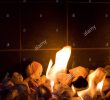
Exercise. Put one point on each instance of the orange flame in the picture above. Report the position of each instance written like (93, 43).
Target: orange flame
(61, 61)
(73, 89)
(95, 83)
(100, 86)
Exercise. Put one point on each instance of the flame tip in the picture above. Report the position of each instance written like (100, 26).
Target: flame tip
(61, 61)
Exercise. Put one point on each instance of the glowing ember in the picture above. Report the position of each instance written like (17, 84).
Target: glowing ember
(60, 65)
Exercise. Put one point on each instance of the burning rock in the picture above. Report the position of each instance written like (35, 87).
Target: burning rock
(18, 89)
(35, 81)
(43, 81)
(60, 88)
(63, 92)
(66, 95)
(107, 69)
(34, 70)
(39, 87)
(17, 78)
(43, 92)
(64, 78)
(106, 85)
(79, 71)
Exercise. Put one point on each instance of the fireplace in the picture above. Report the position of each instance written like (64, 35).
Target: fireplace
(36, 30)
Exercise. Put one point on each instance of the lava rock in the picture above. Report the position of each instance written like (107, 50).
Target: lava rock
(34, 70)
(43, 92)
(79, 71)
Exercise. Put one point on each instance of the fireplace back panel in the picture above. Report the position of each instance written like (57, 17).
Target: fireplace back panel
(36, 30)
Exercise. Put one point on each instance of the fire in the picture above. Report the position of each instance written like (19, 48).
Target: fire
(95, 84)
(95, 79)
(73, 89)
(100, 86)
(52, 85)
(61, 61)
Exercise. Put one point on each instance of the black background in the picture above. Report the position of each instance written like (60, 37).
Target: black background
(27, 23)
